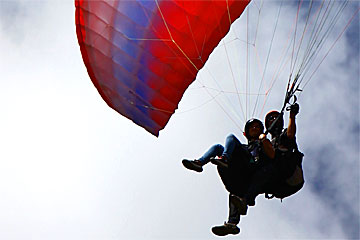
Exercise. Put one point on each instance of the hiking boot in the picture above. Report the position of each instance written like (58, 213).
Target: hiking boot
(219, 161)
(240, 204)
(227, 228)
(194, 165)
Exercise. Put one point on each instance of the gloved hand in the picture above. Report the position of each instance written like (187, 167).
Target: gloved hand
(294, 109)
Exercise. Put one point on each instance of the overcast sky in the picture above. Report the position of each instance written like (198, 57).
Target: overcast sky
(72, 168)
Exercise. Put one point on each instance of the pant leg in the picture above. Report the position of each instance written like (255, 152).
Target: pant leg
(240, 155)
(239, 170)
(237, 155)
(231, 143)
(234, 216)
(235, 181)
(225, 178)
(215, 150)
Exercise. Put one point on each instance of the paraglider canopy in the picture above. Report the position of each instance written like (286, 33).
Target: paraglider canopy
(142, 55)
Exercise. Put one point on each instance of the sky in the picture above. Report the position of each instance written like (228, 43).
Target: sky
(72, 168)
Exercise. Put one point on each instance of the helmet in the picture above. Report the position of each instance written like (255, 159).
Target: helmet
(249, 122)
(270, 116)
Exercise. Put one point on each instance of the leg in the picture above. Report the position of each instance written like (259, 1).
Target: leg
(234, 216)
(236, 176)
(214, 151)
(231, 143)
(229, 227)
(232, 147)
(236, 208)
(225, 178)
(197, 165)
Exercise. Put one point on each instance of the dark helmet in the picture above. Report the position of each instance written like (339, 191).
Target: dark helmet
(249, 122)
(277, 128)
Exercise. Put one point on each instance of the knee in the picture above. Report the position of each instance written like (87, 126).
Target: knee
(219, 148)
(231, 137)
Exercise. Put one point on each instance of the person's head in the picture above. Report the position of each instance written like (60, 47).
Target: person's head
(253, 128)
(270, 118)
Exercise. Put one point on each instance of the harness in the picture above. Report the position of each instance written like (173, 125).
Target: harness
(287, 161)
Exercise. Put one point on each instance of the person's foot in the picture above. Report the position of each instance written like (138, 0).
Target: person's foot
(227, 228)
(219, 161)
(240, 204)
(194, 165)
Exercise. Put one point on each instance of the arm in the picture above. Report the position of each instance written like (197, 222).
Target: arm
(291, 130)
(267, 146)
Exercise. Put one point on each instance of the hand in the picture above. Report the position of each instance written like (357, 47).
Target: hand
(262, 137)
(294, 109)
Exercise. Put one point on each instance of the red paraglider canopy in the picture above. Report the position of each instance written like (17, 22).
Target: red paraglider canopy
(142, 55)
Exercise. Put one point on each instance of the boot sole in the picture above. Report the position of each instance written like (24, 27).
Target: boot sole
(222, 231)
